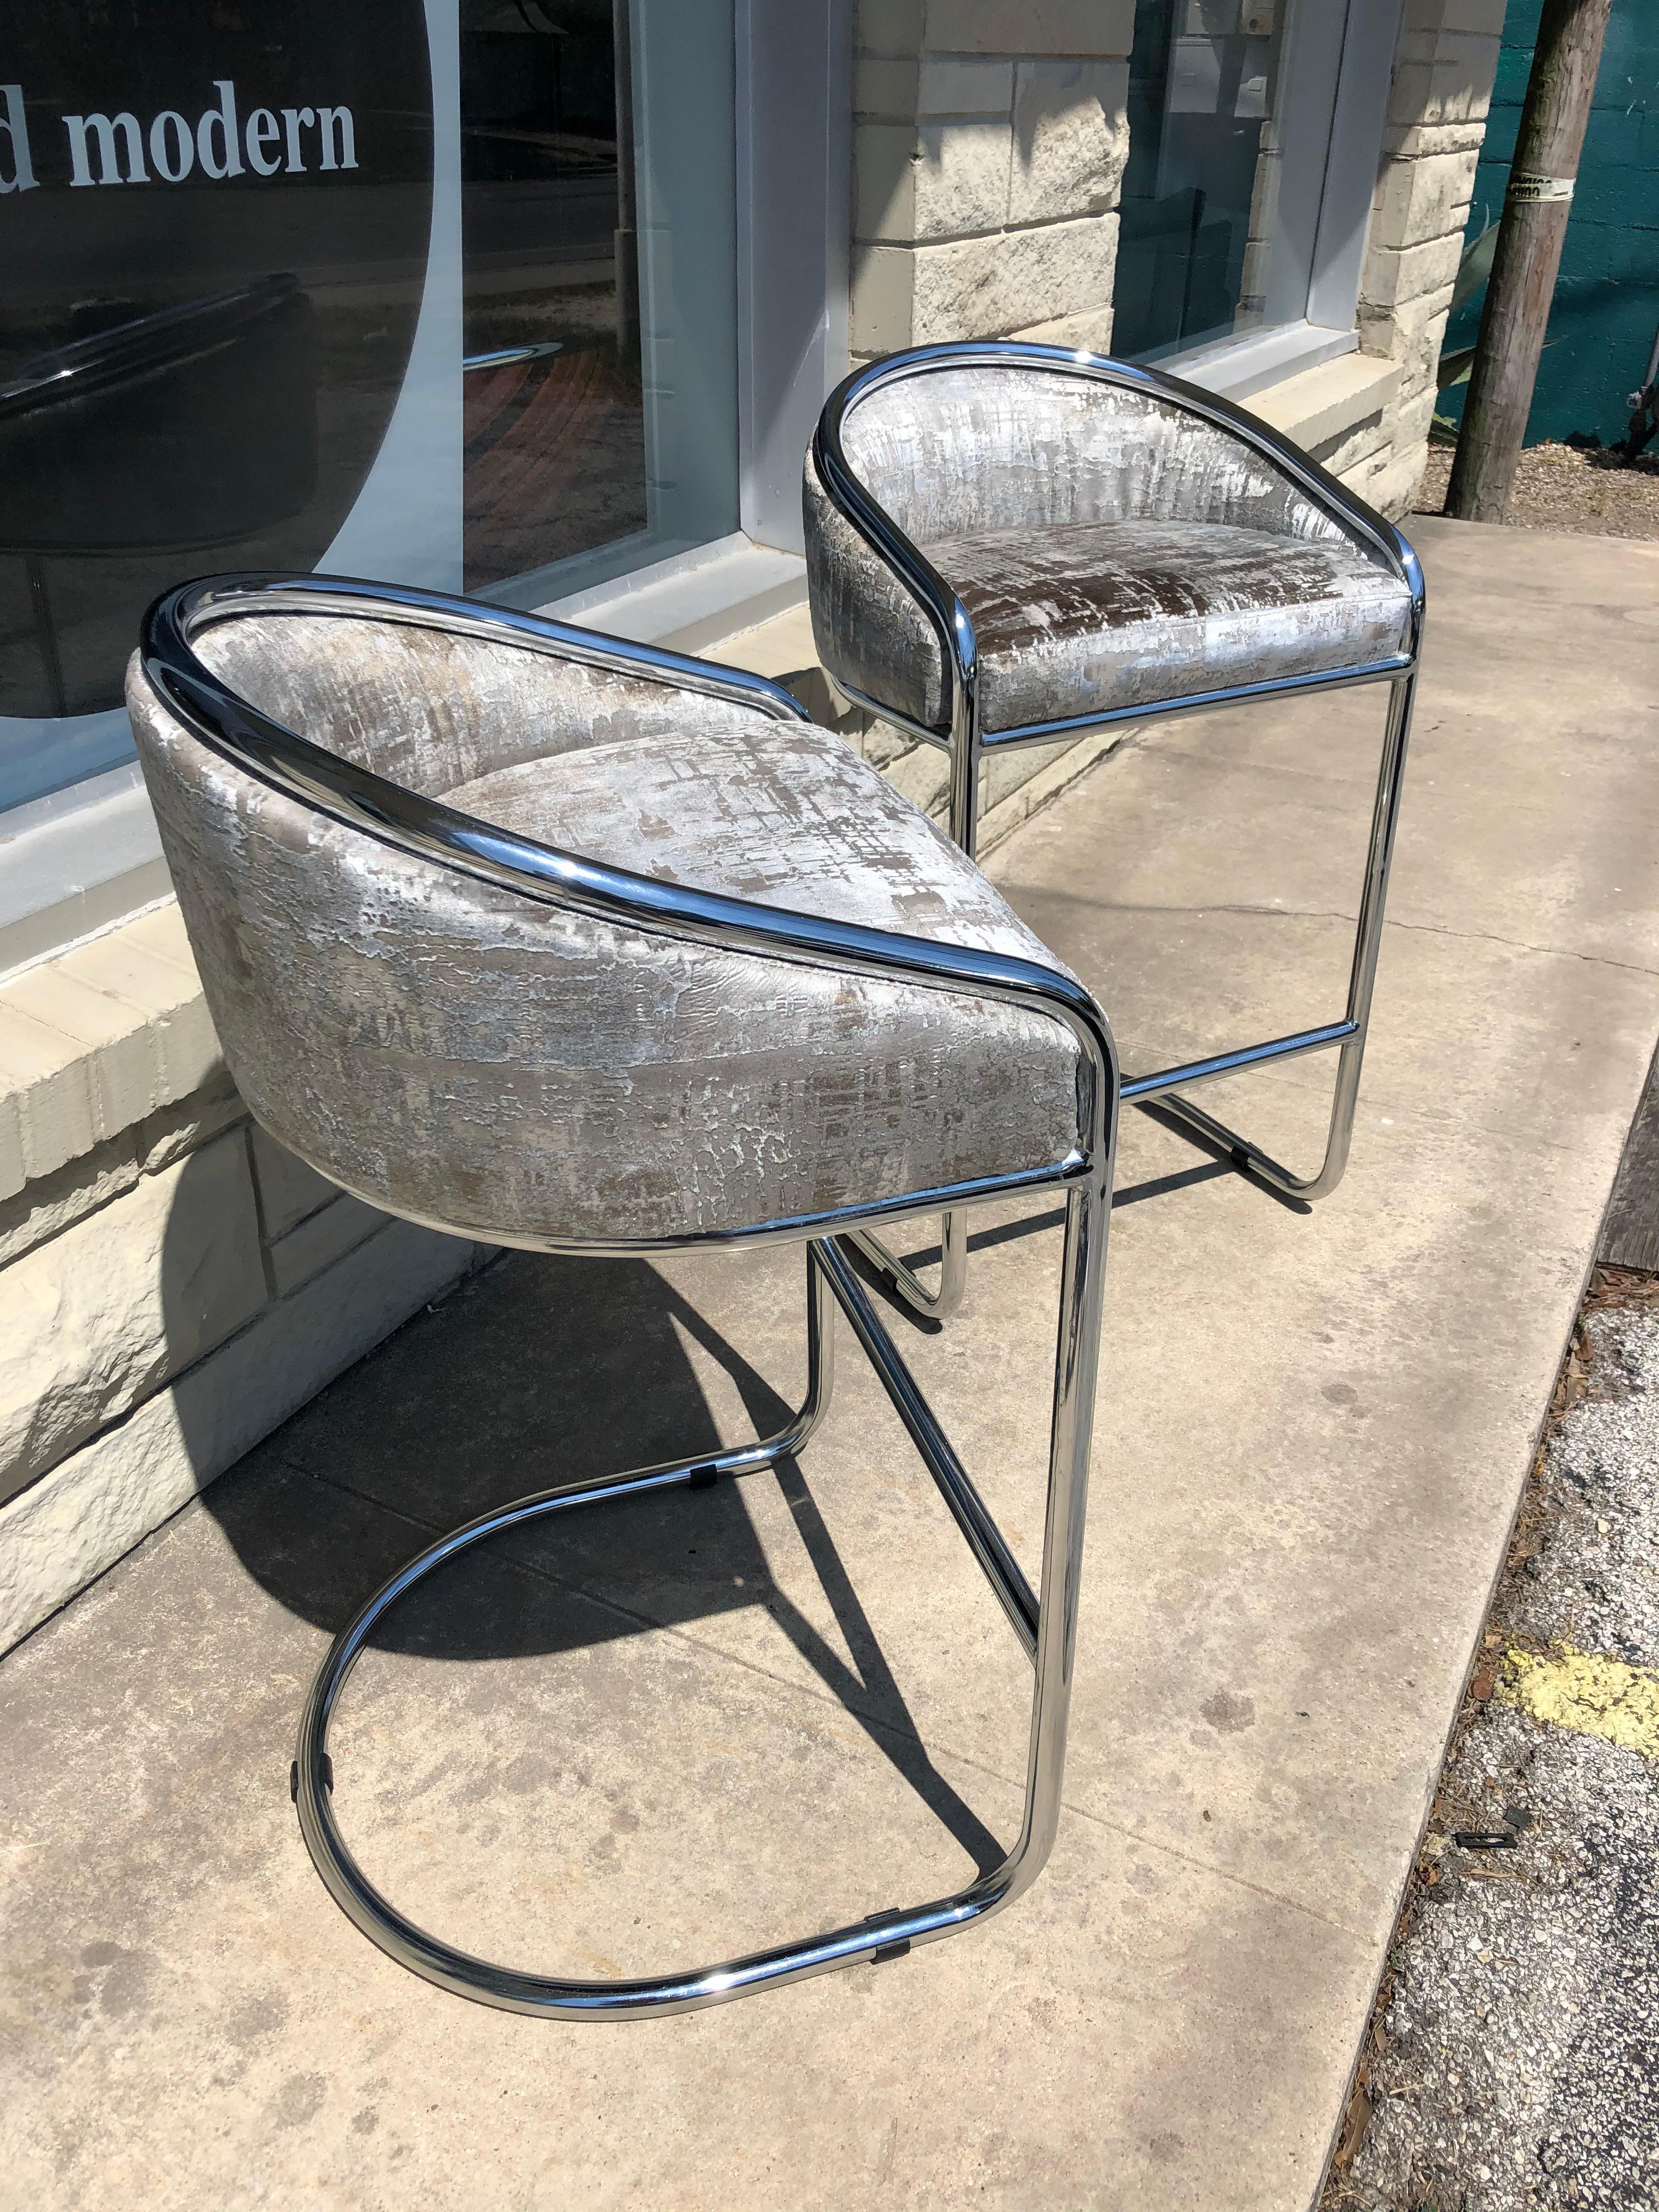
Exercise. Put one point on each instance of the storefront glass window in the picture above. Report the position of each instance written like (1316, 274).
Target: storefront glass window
(599, 246)
(1206, 250)
(214, 229)
(258, 254)
(555, 429)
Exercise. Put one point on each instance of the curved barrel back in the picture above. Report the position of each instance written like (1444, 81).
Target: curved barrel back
(476, 1025)
(966, 448)
(444, 1047)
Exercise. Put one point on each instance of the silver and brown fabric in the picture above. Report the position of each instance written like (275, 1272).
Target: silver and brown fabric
(463, 1055)
(1113, 549)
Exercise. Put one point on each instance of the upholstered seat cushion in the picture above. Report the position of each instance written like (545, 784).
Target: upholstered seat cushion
(1080, 620)
(784, 813)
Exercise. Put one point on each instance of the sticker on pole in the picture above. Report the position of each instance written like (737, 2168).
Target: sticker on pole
(1526, 188)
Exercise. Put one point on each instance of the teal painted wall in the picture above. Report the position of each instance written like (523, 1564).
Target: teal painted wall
(1607, 298)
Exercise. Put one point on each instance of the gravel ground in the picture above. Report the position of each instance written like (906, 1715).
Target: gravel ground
(1513, 2059)
(1594, 492)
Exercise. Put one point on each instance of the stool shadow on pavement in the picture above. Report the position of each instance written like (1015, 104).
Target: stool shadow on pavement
(539, 1372)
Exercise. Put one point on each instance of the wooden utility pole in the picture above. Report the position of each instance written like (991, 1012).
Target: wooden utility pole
(1535, 210)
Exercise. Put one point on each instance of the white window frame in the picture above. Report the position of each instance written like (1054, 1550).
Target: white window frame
(1234, 368)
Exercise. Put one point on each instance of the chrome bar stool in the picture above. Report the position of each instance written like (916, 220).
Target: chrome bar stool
(1009, 543)
(490, 915)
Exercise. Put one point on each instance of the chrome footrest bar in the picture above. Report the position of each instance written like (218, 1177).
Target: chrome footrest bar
(1235, 1063)
(1368, 936)
(968, 1510)
(935, 1305)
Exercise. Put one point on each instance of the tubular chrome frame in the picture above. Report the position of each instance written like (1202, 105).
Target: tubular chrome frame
(1046, 1623)
(960, 733)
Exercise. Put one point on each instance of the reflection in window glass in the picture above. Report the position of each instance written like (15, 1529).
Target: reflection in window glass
(1200, 255)
(213, 238)
(555, 426)
(266, 306)
(598, 250)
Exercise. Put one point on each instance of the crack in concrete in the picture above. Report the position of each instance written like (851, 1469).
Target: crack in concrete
(1519, 944)
(1253, 910)
(1221, 1873)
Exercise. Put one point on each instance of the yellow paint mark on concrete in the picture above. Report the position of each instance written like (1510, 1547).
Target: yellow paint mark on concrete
(1594, 1697)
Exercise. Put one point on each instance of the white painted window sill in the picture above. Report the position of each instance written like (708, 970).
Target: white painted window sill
(1238, 368)
(74, 862)
(694, 600)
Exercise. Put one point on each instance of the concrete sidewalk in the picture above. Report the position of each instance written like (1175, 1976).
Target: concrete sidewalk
(688, 1728)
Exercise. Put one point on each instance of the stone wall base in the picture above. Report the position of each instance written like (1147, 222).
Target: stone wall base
(173, 1291)
(86, 1512)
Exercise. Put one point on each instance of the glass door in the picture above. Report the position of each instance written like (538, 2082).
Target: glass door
(1230, 111)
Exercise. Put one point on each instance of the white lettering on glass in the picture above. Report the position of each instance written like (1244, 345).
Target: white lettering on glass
(327, 118)
(263, 130)
(170, 124)
(109, 150)
(14, 128)
(228, 160)
(104, 128)
(292, 118)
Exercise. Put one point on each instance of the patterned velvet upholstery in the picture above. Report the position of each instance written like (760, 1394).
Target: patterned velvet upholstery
(464, 1055)
(1111, 548)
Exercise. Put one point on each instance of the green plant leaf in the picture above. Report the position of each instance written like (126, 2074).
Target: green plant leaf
(1475, 266)
(1454, 368)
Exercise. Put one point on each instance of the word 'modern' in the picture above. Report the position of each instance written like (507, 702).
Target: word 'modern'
(117, 150)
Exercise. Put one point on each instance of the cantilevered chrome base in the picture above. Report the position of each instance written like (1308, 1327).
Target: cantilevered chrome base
(1045, 1625)
(1346, 1037)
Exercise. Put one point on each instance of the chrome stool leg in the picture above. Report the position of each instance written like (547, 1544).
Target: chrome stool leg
(1349, 1034)
(905, 1283)
(1165, 1088)
(1047, 1627)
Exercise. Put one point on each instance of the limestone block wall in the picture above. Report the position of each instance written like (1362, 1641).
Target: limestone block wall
(989, 140)
(172, 1283)
(989, 143)
(1445, 68)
